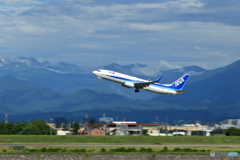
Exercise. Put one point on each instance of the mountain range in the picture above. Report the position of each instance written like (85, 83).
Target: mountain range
(69, 78)
(28, 86)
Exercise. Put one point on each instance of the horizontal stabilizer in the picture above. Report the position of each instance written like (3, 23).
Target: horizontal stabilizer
(181, 91)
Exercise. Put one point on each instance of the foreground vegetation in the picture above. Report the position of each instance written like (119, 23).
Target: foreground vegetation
(78, 139)
(37, 127)
(116, 150)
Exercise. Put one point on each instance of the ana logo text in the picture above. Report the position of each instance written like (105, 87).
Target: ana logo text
(179, 81)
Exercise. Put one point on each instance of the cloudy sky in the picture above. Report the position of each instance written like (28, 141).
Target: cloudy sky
(166, 33)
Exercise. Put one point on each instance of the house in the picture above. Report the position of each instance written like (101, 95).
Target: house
(63, 132)
(97, 132)
(177, 132)
(218, 132)
(83, 132)
(199, 133)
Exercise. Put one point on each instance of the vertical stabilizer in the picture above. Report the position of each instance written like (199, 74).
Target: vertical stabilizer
(179, 83)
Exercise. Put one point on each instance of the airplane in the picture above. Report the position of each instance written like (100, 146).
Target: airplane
(137, 83)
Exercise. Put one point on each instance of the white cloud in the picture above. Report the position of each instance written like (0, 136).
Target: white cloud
(178, 32)
(150, 27)
(167, 65)
(154, 69)
(19, 2)
(150, 71)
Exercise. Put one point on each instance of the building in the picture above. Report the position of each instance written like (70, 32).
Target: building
(97, 132)
(52, 125)
(64, 132)
(199, 133)
(235, 122)
(124, 128)
(83, 132)
(218, 132)
(177, 132)
(105, 119)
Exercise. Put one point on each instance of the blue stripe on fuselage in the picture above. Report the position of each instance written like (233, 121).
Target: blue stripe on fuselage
(156, 85)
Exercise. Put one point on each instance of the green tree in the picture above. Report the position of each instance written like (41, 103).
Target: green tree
(6, 128)
(3, 129)
(232, 131)
(18, 127)
(42, 126)
(30, 129)
(10, 126)
(75, 127)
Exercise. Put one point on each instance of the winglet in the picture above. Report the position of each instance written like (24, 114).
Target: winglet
(158, 80)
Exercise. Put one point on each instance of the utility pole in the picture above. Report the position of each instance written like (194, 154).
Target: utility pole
(6, 117)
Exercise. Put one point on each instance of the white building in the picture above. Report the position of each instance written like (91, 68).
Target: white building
(62, 132)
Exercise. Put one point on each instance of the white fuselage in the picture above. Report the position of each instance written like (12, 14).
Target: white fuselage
(126, 79)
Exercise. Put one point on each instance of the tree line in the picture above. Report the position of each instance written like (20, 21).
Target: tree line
(37, 127)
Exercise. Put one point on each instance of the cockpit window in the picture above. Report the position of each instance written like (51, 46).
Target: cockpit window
(99, 70)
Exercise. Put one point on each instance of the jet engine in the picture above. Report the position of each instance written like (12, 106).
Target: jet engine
(128, 84)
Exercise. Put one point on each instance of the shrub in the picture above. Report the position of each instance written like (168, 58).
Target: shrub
(103, 150)
(165, 149)
(131, 150)
(32, 150)
(79, 150)
(145, 150)
(92, 150)
(187, 149)
(43, 150)
(203, 150)
(176, 149)
(122, 149)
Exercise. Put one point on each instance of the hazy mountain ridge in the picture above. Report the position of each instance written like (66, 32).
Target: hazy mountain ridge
(215, 91)
(66, 77)
(19, 96)
(62, 67)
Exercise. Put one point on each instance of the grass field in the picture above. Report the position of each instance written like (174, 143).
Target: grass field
(44, 142)
(41, 139)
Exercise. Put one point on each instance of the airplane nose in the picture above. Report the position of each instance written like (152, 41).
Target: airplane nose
(94, 72)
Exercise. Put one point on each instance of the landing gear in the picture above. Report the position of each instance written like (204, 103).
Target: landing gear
(100, 79)
(137, 90)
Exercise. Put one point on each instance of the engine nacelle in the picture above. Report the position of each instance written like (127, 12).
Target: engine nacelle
(128, 85)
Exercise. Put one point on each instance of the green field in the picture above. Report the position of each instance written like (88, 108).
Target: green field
(45, 143)
(44, 139)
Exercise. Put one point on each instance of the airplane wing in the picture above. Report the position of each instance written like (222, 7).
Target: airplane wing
(143, 84)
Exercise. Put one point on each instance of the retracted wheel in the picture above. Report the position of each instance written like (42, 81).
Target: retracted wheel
(137, 90)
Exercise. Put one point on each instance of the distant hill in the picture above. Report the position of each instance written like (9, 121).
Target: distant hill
(69, 78)
(214, 90)
(25, 63)
(27, 89)
(10, 83)
(141, 116)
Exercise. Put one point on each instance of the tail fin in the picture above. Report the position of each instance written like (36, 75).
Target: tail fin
(179, 84)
